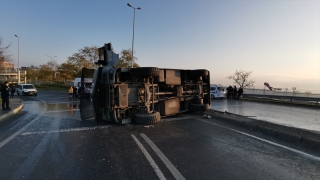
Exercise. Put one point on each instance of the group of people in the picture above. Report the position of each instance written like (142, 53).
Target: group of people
(233, 93)
(5, 94)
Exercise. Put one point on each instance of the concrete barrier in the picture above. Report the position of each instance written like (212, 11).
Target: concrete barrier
(301, 137)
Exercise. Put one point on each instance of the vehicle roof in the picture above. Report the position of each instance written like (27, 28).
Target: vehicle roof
(213, 85)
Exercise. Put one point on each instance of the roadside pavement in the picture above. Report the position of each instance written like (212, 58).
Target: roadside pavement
(16, 105)
(302, 137)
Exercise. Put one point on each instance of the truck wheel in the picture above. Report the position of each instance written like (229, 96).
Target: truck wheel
(199, 107)
(147, 118)
(198, 72)
(22, 93)
(145, 71)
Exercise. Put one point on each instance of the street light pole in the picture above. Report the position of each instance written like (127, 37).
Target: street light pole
(134, 15)
(51, 57)
(18, 58)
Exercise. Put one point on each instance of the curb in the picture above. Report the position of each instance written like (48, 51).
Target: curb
(301, 137)
(15, 111)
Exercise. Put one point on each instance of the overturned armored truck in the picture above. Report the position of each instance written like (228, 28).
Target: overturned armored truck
(141, 95)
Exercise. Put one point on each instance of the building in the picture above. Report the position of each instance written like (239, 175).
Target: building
(9, 73)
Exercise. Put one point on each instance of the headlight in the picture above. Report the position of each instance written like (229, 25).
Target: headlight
(25, 90)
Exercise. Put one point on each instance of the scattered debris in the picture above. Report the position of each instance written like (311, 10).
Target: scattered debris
(206, 116)
(149, 126)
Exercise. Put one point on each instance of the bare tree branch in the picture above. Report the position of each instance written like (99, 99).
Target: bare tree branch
(3, 52)
(241, 78)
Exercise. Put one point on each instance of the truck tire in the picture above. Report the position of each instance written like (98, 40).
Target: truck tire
(147, 118)
(145, 71)
(199, 107)
(198, 72)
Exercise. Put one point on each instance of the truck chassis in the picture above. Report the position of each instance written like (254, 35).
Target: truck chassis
(144, 95)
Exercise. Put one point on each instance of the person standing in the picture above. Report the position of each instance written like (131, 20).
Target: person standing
(74, 94)
(5, 96)
(229, 92)
(240, 92)
(70, 92)
(234, 94)
(13, 89)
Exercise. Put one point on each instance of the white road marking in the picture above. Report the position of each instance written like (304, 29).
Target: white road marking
(62, 111)
(65, 102)
(270, 142)
(8, 139)
(164, 159)
(68, 130)
(174, 119)
(57, 98)
(149, 158)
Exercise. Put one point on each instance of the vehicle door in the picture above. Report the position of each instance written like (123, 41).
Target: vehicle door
(213, 91)
(86, 105)
(20, 89)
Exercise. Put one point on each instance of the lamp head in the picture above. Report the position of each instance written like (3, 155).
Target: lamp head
(129, 5)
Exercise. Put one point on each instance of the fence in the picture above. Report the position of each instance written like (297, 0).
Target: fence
(291, 96)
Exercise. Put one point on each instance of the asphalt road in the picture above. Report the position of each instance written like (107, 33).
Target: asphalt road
(289, 115)
(47, 140)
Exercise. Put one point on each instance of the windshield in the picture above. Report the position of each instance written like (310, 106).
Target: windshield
(220, 88)
(212, 88)
(88, 85)
(28, 87)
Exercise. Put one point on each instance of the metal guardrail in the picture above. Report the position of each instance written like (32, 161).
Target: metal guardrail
(291, 99)
(281, 93)
(284, 96)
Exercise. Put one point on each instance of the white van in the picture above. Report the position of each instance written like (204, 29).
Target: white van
(26, 89)
(87, 84)
(217, 91)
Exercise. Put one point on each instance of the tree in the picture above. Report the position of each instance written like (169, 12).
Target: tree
(242, 78)
(126, 59)
(47, 72)
(67, 71)
(44, 73)
(83, 58)
(4, 56)
(32, 73)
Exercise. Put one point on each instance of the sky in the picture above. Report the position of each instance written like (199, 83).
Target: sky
(277, 40)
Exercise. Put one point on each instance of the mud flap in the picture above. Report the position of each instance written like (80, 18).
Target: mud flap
(86, 105)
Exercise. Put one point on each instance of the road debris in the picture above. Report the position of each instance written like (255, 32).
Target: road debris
(206, 116)
(149, 126)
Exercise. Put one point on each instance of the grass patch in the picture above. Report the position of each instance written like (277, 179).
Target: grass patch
(52, 87)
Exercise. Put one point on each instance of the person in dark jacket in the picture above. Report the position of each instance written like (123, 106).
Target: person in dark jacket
(5, 96)
(240, 91)
(234, 94)
(74, 94)
(12, 90)
(229, 92)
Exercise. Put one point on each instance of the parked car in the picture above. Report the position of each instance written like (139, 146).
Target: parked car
(26, 89)
(217, 91)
